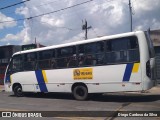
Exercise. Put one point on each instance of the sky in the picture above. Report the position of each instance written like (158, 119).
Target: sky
(106, 17)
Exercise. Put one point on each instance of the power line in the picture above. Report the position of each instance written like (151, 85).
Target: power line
(61, 9)
(48, 3)
(38, 5)
(13, 5)
(48, 12)
(94, 32)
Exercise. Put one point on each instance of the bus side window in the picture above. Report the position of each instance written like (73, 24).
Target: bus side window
(91, 54)
(89, 50)
(72, 62)
(66, 57)
(15, 65)
(30, 61)
(46, 58)
(81, 55)
(100, 53)
(89, 60)
(134, 50)
(53, 63)
(122, 50)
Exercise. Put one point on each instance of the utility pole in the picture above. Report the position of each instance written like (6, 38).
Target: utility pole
(85, 27)
(35, 40)
(130, 10)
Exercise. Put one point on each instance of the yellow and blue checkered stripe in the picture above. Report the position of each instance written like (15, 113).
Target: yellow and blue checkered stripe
(130, 68)
(42, 80)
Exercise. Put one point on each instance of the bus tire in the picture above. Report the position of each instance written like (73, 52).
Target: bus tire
(18, 91)
(80, 92)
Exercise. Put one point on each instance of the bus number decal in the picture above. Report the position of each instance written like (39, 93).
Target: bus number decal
(83, 74)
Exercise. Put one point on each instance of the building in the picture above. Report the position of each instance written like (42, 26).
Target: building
(6, 53)
(31, 46)
(155, 36)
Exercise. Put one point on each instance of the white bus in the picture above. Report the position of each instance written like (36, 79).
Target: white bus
(123, 62)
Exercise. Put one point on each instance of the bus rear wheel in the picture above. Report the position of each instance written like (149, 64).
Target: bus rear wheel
(80, 92)
(18, 91)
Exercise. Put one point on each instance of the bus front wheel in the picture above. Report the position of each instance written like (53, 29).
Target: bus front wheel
(18, 91)
(80, 92)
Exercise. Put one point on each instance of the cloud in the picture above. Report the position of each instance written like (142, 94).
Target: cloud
(22, 11)
(6, 24)
(65, 26)
(105, 16)
(146, 14)
(21, 37)
(147, 5)
(51, 21)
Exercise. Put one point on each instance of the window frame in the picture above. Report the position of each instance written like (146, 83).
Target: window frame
(67, 57)
(93, 54)
(10, 67)
(125, 62)
(49, 60)
(32, 61)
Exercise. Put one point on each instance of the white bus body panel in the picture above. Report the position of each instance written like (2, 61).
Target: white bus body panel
(109, 79)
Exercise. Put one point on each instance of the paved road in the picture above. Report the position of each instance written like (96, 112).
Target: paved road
(149, 101)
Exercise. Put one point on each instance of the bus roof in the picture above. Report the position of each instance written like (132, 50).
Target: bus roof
(79, 42)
